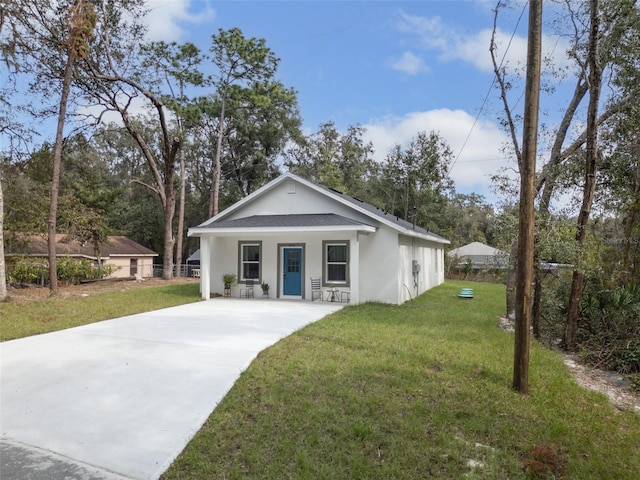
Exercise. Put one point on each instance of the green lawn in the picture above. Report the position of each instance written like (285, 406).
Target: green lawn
(416, 391)
(378, 391)
(19, 320)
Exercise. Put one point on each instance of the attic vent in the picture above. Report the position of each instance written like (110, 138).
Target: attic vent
(291, 186)
(356, 198)
(334, 190)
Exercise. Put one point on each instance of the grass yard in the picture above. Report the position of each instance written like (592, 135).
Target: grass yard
(19, 320)
(416, 391)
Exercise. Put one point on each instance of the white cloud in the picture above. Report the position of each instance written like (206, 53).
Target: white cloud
(481, 156)
(166, 18)
(409, 63)
(452, 44)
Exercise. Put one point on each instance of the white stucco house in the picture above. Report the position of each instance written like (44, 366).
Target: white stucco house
(292, 230)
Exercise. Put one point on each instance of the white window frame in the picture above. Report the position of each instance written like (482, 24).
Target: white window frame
(242, 261)
(325, 263)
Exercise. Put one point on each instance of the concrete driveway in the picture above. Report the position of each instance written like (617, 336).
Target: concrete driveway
(120, 399)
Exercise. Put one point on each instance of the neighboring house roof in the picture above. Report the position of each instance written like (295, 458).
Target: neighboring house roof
(117, 246)
(475, 249)
(481, 255)
(312, 221)
(194, 257)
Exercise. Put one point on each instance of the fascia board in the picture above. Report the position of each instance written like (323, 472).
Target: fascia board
(411, 233)
(197, 232)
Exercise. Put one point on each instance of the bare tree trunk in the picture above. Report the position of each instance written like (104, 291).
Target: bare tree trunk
(169, 240)
(629, 224)
(180, 217)
(55, 177)
(3, 277)
(527, 196)
(591, 168)
(215, 184)
(512, 275)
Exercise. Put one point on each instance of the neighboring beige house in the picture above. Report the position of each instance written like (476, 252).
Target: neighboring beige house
(130, 258)
(292, 230)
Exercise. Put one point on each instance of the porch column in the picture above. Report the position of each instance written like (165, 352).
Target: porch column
(205, 268)
(354, 268)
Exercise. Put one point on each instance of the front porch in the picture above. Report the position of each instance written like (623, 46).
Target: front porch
(319, 266)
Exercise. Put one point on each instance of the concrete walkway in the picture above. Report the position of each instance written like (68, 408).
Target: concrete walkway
(120, 399)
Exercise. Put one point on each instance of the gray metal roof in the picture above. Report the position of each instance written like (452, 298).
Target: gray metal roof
(274, 221)
(383, 214)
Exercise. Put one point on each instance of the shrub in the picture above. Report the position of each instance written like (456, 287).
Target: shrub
(609, 329)
(27, 270)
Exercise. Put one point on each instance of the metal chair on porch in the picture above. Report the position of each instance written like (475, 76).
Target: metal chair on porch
(316, 288)
(247, 290)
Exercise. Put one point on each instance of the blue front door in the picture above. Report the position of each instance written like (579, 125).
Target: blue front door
(292, 271)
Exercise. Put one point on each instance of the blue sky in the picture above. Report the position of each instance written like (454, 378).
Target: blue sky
(394, 67)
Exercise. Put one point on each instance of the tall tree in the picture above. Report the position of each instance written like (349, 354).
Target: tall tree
(3, 277)
(240, 62)
(118, 74)
(40, 41)
(590, 170)
(338, 160)
(261, 120)
(82, 19)
(177, 64)
(568, 136)
(417, 176)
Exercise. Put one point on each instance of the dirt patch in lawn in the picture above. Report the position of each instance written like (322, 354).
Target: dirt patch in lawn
(30, 293)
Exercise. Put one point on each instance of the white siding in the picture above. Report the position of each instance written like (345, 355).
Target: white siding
(379, 266)
(278, 201)
(430, 257)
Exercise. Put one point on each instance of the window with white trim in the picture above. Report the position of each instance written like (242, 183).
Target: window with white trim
(250, 260)
(335, 262)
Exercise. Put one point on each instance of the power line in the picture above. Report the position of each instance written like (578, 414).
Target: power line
(484, 102)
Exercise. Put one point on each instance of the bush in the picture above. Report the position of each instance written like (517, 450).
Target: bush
(609, 330)
(609, 325)
(28, 270)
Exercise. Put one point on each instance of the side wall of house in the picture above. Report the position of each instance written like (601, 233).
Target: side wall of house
(430, 258)
(378, 266)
